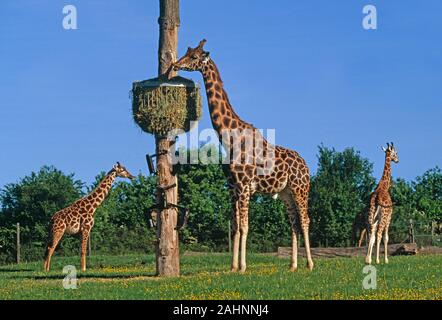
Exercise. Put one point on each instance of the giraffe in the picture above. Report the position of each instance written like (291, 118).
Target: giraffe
(378, 216)
(287, 174)
(78, 218)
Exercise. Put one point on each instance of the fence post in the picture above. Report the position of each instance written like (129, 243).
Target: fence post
(433, 228)
(411, 232)
(230, 236)
(18, 242)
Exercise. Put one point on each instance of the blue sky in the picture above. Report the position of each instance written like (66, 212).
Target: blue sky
(306, 68)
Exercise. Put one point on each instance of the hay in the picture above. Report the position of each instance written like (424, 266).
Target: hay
(160, 107)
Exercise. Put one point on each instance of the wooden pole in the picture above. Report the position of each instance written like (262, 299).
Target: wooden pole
(433, 232)
(18, 243)
(411, 232)
(167, 248)
(230, 237)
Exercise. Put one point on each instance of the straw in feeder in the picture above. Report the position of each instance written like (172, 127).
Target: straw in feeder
(160, 107)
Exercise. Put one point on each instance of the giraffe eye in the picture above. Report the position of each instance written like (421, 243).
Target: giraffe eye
(194, 57)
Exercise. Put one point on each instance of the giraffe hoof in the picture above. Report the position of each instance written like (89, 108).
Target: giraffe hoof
(242, 270)
(310, 266)
(233, 269)
(293, 269)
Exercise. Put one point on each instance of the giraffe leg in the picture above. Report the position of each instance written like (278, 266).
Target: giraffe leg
(235, 231)
(386, 236)
(236, 238)
(371, 230)
(244, 231)
(371, 241)
(301, 200)
(54, 238)
(292, 212)
(294, 257)
(84, 239)
(378, 244)
(305, 230)
(244, 199)
(380, 231)
(361, 237)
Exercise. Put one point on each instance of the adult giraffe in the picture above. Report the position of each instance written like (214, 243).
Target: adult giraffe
(256, 167)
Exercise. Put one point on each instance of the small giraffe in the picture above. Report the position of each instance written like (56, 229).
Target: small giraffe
(78, 218)
(289, 175)
(378, 216)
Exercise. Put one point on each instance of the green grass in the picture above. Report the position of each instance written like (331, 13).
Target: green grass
(207, 276)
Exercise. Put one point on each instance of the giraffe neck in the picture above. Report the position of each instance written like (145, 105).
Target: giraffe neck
(385, 181)
(221, 112)
(102, 190)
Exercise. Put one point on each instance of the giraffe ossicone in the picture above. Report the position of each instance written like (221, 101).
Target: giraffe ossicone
(78, 218)
(264, 168)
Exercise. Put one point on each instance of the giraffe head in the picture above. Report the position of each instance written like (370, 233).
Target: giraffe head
(122, 172)
(391, 152)
(193, 60)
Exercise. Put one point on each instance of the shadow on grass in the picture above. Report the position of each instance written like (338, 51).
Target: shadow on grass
(16, 270)
(84, 276)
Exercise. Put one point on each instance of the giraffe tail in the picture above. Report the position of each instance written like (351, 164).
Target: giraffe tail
(358, 226)
(49, 239)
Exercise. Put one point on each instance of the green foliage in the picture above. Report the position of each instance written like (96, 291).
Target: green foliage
(338, 192)
(420, 201)
(428, 188)
(403, 197)
(269, 224)
(31, 202)
(120, 222)
(202, 188)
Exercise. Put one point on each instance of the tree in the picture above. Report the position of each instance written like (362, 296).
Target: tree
(202, 188)
(339, 191)
(32, 201)
(269, 224)
(428, 188)
(404, 201)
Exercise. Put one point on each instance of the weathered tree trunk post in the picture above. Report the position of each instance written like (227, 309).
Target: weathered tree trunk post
(167, 249)
(18, 243)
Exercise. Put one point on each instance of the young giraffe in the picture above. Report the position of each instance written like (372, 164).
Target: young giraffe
(78, 218)
(378, 216)
(289, 175)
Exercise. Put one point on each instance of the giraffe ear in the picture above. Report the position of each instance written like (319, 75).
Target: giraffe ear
(383, 148)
